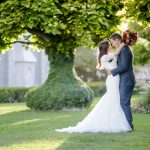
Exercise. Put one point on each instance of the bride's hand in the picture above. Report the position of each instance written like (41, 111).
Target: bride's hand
(100, 68)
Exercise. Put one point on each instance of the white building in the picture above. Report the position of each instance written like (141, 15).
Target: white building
(23, 68)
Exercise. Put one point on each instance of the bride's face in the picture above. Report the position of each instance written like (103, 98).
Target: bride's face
(109, 48)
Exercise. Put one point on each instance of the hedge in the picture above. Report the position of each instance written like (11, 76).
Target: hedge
(13, 94)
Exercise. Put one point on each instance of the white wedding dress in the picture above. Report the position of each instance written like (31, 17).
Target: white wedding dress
(107, 115)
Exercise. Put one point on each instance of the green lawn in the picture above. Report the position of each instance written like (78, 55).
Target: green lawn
(24, 129)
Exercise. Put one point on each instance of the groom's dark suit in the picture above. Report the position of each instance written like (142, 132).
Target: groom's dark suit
(127, 80)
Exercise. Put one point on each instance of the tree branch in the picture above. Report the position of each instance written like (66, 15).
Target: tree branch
(25, 42)
(39, 34)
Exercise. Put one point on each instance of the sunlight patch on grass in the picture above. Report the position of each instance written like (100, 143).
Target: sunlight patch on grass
(38, 144)
(25, 122)
(12, 107)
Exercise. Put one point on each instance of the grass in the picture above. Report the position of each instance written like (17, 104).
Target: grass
(25, 129)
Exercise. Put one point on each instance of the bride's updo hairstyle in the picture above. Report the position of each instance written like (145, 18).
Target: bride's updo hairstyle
(103, 47)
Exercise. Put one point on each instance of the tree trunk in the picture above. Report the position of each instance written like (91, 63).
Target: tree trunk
(62, 88)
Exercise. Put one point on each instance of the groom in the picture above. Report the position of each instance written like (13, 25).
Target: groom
(127, 78)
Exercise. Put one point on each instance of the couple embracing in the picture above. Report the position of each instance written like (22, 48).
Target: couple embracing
(113, 112)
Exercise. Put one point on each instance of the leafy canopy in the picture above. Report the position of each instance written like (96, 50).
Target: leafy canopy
(57, 25)
(138, 10)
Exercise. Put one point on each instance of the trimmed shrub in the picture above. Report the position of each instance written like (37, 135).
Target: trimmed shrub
(142, 103)
(63, 88)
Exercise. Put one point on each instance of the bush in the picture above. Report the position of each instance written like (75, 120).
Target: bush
(142, 103)
(12, 94)
(144, 49)
(59, 96)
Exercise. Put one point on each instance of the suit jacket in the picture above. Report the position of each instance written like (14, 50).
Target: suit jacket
(125, 67)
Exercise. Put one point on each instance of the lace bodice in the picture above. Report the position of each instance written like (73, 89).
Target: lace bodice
(109, 61)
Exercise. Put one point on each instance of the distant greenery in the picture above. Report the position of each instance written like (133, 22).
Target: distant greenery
(85, 64)
(11, 95)
(138, 10)
(142, 48)
(143, 32)
(99, 88)
(141, 99)
(141, 53)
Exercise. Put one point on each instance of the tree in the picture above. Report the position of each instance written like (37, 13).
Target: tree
(58, 26)
(138, 10)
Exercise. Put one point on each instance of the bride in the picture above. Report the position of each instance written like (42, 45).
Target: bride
(107, 116)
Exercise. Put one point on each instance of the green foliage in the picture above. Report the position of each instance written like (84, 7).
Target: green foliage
(61, 95)
(78, 95)
(138, 10)
(141, 101)
(141, 53)
(146, 96)
(59, 25)
(16, 94)
(99, 88)
(143, 32)
(142, 48)
(85, 60)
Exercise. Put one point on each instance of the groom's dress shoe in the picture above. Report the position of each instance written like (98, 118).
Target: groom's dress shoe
(132, 127)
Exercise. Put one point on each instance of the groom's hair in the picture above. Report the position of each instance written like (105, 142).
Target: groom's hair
(115, 36)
